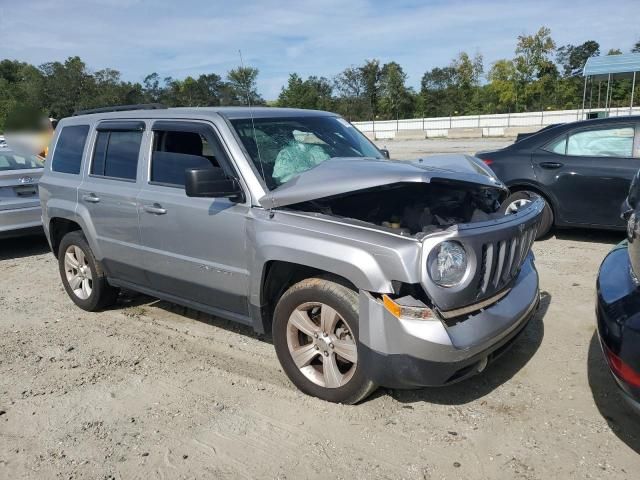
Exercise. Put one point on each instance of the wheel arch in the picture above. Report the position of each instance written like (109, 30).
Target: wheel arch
(58, 228)
(277, 277)
(522, 185)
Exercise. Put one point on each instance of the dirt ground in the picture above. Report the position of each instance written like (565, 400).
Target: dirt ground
(151, 390)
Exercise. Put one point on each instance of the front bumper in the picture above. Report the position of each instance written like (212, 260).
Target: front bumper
(618, 314)
(399, 353)
(21, 221)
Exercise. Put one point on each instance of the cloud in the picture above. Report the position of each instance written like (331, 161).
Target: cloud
(310, 37)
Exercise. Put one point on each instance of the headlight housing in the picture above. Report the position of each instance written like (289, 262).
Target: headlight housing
(447, 264)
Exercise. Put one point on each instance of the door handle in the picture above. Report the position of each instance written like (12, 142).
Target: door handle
(550, 165)
(155, 209)
(91, 198)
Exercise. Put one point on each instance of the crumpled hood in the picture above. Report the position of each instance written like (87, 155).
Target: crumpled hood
(344, 175)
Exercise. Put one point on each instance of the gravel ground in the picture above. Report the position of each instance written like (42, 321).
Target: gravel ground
(151, 390)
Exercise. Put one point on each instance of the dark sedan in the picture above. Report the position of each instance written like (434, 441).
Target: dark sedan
(618, 304)
(582, 169)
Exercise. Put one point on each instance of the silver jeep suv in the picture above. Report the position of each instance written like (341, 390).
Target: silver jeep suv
(365, 271)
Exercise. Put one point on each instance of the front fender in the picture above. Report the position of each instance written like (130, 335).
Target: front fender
(331, 247)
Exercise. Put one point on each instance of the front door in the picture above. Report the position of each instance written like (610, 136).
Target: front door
(589, 171)
(195, 248)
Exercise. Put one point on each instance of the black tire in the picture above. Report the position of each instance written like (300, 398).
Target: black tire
(345, 302)
(547, 213)
(102, 294)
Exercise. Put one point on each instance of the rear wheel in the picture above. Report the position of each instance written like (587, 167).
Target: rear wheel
(517, 200)
(315, 333)
(82, 275)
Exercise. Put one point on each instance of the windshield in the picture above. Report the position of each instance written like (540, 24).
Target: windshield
(289, 146)
(14, 161)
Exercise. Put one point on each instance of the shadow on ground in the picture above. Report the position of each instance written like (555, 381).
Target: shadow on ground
(611, 237)
(624, 422)
(496, 374)
(129, 299)
(21, 247)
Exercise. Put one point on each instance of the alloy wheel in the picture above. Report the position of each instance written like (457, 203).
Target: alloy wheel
(78, 272)
(516, 205)
(322, 345)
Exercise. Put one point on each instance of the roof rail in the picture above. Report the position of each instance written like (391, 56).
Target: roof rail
(121, 108)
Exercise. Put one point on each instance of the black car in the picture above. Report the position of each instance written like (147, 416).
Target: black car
(618, 303)
(582, 169)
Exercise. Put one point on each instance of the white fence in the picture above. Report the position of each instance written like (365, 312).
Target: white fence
(492, 125)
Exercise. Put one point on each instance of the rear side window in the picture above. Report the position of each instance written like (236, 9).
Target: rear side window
(558, 146)
(606, 142)
(67, 156)
(116, 154)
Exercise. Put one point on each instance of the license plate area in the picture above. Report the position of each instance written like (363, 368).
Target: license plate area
(26, 191)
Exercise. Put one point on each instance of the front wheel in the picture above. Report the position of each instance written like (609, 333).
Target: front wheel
(315, 333)
(517, 200)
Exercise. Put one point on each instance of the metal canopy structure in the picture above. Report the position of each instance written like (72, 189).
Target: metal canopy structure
(609, 67)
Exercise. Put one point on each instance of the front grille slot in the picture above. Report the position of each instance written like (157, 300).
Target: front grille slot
(501, 260)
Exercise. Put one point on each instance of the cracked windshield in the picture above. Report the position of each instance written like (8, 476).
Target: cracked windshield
(289, 146)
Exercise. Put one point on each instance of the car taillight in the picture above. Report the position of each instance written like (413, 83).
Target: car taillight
(621, 369)
(487, 161)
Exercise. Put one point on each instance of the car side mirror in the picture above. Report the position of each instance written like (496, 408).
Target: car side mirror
(212, 183)
(385, 153)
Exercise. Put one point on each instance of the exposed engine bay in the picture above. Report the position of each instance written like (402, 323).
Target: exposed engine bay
(414, 209)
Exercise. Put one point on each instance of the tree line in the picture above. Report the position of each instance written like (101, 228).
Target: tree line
(541, 75)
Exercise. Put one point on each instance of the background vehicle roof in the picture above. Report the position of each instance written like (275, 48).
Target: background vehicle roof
(546, 134)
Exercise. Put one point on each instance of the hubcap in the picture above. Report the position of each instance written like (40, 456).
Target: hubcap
(78, 273)
(322, 345)
(516, 205)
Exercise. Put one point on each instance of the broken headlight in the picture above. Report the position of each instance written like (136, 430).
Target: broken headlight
(447, 264)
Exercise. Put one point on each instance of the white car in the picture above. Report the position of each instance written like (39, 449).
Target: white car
(20, 211)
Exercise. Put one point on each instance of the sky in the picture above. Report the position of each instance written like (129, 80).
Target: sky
(310, 37)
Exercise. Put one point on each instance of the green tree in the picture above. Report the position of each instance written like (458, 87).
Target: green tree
(350, 88)
(396, 99)
(502, 87)
(67, 86)
(572, 58)
(534, 68)
(371, 76)
(313, 93)
(438, 91)
(243, 87)
(152, 89)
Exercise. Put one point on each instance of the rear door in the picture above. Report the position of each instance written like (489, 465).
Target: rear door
(195, 248)
(109, 193)
(588, 171)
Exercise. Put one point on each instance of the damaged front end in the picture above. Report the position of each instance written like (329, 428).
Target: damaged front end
(452, 206)
(413, 209)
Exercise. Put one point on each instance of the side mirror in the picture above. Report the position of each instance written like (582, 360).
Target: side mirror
(385, 153)
(212, 183)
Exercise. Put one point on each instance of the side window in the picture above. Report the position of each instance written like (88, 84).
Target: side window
(606, 142)
(176, 151)
(558, 146)
(67, 156)
(116, 154)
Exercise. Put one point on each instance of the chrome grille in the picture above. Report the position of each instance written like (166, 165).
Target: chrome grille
(501, 260)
